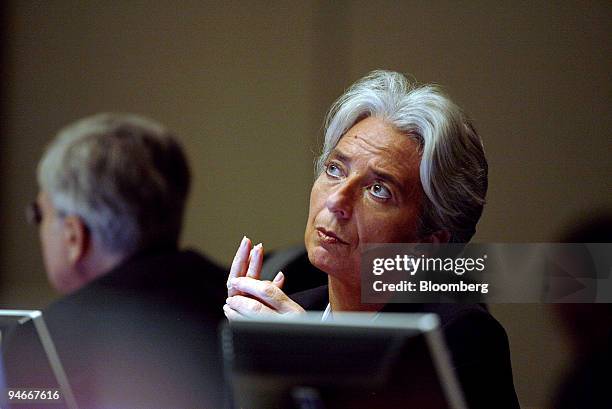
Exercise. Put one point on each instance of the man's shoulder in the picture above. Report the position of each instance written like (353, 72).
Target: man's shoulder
(165, 280)
(163, 266)
(159, 312)
(167, 270)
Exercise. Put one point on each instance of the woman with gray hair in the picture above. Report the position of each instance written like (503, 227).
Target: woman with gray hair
(401, 163)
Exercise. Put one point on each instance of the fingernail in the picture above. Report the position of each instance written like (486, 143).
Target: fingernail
(256, 250)
(228, 284)
(278, 277)
(244, 241)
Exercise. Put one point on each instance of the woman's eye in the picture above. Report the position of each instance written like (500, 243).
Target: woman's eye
(333, 170)
(380, 191)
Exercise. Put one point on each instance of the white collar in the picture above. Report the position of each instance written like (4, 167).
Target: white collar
(328, 315)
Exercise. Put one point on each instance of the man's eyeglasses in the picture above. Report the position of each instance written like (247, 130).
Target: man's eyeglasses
(33, 213)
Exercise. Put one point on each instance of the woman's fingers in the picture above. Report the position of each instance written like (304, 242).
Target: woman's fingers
(261, 296)
(279, 280)
(241, 259)
(247, 307)
(255, 262)
(266, 293)
(240, 263)
(230, 313)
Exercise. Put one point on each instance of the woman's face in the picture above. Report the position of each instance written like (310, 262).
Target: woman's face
(368, 192)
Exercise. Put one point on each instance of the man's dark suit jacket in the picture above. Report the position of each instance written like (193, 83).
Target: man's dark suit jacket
(477, 342)
(142, 336)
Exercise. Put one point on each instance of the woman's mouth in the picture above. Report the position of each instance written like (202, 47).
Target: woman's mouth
(329, 237)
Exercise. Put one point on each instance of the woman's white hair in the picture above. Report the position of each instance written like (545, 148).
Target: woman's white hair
(453, 168)
(124, 175)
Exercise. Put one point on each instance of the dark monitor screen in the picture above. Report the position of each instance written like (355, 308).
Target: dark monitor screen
(352, 361)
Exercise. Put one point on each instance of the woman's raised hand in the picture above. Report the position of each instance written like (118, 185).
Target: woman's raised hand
(247, 263)
(249, 296)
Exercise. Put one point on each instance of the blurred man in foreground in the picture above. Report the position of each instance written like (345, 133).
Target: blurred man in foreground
(137, 325)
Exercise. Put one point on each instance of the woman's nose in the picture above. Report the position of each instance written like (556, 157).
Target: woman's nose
(341, 200)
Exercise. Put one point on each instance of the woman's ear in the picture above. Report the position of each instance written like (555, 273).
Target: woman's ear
(438, 237)
(76, 238)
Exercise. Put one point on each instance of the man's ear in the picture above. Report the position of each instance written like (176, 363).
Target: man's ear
(76, 238)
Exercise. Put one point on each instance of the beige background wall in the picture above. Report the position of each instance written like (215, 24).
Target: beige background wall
(246, 85)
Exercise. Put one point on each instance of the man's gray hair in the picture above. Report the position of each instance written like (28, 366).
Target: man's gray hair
(453, 168)
(124, 175)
